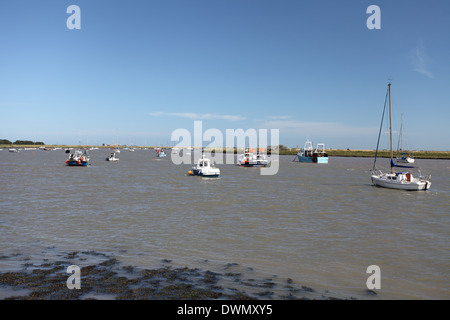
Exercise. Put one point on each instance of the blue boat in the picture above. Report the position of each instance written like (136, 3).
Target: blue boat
(309, 154)
(78, 159)
(160, 153)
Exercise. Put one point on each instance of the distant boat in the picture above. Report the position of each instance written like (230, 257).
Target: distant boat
(13, 150)
(204, 168)
(405, 157)
(252, 159)
(160, 153)
(309, 154)
(396, 180)
(78, 158)
(112, 157)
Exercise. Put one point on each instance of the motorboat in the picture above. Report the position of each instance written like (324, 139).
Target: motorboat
(309, 154)
(160, 153)
(252, 159)
(78, 158)
(204, 168)
(112, 157)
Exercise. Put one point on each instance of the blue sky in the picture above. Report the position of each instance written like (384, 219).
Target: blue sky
(138, 70)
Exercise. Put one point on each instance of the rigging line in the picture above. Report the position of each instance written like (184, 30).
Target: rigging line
(381, 125)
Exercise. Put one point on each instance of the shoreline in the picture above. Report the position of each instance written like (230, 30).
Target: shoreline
(107, 279)
(419, 154)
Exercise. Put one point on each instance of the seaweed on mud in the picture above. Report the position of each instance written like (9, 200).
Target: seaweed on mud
(106, 278)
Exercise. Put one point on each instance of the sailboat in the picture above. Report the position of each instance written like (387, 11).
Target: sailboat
(396, 180)
(405, 157)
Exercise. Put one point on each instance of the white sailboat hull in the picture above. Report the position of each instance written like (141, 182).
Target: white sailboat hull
(405, 160)
(388, 181)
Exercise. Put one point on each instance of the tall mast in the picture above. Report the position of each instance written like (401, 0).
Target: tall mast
(400, 140)
(390, 124)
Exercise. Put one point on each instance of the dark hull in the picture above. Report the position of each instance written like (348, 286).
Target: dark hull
(73, 163)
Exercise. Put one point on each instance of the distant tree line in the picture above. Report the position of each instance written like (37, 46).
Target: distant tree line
(21, 142)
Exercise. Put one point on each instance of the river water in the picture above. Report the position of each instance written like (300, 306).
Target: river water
(321, 225)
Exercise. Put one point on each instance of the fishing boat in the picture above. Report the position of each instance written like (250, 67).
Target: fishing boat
(160, 153)
(252, 159)
(78, 158)
(403, 180)
(261, 159)
(309, 154)
(112, 157)
(204, 168)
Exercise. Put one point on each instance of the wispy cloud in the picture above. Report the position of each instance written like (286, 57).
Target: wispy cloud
(198, 116)
(420, 62)
(278, 117)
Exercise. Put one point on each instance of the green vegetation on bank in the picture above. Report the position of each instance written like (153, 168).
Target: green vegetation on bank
(371, 153)
(381, 153)
(282, 150)
(7, 143)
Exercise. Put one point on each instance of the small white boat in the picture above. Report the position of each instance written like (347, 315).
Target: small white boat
(204, 168)
(13, 150)
(396, 180)
(405, 158)
(261, 159)
(250, 159)
(112, 157)
(400, 180)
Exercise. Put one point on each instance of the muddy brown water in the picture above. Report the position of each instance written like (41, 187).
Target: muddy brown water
(318, 225)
